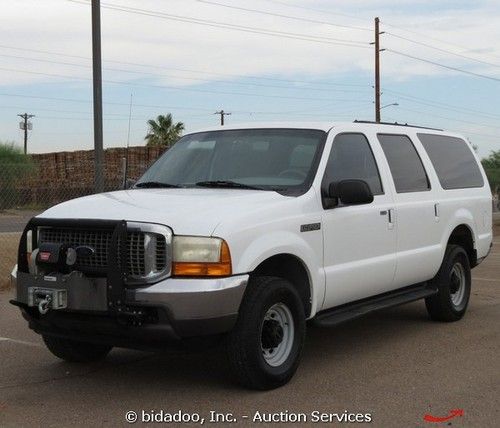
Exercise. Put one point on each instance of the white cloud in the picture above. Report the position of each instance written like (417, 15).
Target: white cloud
(62, 26)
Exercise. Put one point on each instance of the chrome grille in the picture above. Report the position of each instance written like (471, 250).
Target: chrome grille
(100, 241)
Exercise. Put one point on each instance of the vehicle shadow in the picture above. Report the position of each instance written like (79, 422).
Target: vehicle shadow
(326, 350)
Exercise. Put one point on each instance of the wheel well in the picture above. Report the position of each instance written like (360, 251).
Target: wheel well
(293, 270)
(462, 236)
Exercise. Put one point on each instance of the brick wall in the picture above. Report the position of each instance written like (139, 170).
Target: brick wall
(66, 175)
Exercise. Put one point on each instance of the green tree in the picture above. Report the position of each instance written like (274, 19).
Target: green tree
(163, 131)
(491, 166)
(14, 167)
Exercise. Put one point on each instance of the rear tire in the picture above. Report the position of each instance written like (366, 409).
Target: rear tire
(453, 282)
(265, 346)
(75, 351)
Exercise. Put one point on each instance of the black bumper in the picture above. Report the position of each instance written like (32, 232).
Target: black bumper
(152, 331)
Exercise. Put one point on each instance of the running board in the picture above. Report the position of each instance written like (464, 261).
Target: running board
(359, 308)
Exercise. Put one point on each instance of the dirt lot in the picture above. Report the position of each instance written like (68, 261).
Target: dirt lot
(396, 365)
(8, 255)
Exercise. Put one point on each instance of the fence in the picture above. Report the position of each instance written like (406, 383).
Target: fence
(41, 181)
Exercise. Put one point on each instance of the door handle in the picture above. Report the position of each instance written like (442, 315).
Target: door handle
(436, 211)
(391, 218)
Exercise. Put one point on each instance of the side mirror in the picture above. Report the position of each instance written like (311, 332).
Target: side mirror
(351, 192)
(129, 183)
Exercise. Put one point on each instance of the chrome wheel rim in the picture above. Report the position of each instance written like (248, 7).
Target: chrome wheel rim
(277, 334)
(457, 284)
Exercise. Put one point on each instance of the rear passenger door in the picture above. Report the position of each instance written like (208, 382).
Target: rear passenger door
(416, 219)
(359, 240)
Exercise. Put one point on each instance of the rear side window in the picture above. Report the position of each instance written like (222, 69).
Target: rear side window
(406, 167)
(352, 158)
(453, 161)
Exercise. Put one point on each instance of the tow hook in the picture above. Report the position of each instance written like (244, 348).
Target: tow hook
(46, 299)
(44, 305)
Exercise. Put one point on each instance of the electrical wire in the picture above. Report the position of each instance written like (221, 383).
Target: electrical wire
(327, 84)
(448, 118)
(174, 88)
(460, 70)
(441, 50)
(279, 15)
(322, 11)
(121, 70)
(433, 103)
(234, 27)
(320, 108)
(425, 36)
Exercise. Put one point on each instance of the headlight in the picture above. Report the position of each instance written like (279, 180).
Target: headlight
(200, 256)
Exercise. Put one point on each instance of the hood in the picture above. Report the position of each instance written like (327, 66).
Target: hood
(186, 211)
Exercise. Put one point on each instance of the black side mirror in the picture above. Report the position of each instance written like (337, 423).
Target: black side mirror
(351, 192)
(129, 183)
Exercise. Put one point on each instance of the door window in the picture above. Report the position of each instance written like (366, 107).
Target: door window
(352, 158)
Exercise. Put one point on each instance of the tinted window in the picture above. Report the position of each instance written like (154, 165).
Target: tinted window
(405, 164)
(352, 158)
(453, 161)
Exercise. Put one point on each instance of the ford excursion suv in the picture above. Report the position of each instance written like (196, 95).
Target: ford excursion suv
(242, 234)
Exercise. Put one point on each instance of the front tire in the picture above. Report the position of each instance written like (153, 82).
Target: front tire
(74, 351)
(265, 346)
(453, 282)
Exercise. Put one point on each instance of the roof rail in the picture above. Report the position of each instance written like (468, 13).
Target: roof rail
(397, 124)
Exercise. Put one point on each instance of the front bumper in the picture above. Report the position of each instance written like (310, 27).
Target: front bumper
(171, 309)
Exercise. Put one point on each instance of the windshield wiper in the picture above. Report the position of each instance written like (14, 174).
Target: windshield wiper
(227, 184)
(156, 185)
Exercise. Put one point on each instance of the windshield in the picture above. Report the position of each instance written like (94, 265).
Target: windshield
(284, 160)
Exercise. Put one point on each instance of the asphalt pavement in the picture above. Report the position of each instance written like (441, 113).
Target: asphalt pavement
(396, 366)
(15, 221)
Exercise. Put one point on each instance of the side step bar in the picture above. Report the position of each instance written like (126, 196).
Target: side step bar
(359, 308)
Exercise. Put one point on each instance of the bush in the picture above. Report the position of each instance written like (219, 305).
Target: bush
(491, 166)
(14, 167)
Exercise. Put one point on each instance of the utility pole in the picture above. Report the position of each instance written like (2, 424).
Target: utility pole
(377, 68)
(26, 126)
(222, 114)
(97, 86)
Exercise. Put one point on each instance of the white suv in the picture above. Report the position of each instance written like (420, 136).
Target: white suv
(241, 234)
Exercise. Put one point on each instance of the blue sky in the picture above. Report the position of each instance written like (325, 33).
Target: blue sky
(193, 69)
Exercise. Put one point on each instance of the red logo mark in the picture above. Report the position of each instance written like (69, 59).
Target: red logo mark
(44, 257)
(453, 413)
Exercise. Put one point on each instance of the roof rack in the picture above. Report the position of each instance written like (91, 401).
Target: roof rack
(397, 124)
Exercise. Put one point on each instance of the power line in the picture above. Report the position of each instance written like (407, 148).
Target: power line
(174, 88)
(121, 70)
(461, 131)
(204, 72)
(165, 107)
(234, 27)
(425, 36)
(439, 104)
(322, 11)
(449, 118)
(441, 50)
(59, 111)
(460, 70)
(263, 12)
(75, 100)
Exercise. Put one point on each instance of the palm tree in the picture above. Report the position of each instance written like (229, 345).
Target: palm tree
(163, 131)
